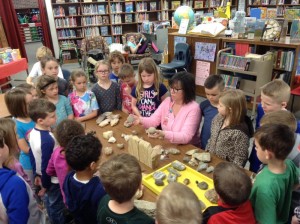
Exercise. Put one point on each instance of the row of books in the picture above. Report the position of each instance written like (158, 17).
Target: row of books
(285, 76)
(66, 22)
(140, 17)
(117, 30)
(264, 12)
(116, 19)
(292, 13)
(58, 11)
(284, 59)
(231, 82)
(273, 2)
(66, 33)
(231, 61)
(94, 9)
(91, 31)
(94, 20)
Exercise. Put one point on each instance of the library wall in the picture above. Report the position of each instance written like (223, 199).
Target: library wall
(23, 4)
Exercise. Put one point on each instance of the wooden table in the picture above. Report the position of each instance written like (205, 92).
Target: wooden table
(3, 109)
(119, 129)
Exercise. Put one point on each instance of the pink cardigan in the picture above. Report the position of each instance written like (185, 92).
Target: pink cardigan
(58, 167)
(182, 129)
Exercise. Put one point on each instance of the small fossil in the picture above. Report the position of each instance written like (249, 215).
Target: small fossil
(193, 162)
(212, 196)
(108, 151)
(202, 185)
(108, 134)
(120, 145)
(171, 178)
(114, 122)
(178, 166)
(186, 181)
(159, 182)
(151, 130)
(159, 175)
(210, 169)
(186, 159)
(112, 139)
(129, 121)
(100, 118)
(173, 171)
(203, 156)
(173, 151)
(191, 152)
(104, 123)
(202, 166)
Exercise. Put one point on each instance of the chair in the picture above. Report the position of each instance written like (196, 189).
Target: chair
(294, 92)
(137, 36)
(181, 61)
(93, 45)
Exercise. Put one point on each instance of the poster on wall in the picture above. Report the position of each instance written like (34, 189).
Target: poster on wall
(202, 72)
(205, 51)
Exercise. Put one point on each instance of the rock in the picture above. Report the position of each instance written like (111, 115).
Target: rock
(100, 118)
(203, 156)
(186, 181)
(186, 159)
(104, 123)
(107, 134)
(108, 151)
(112, 139)
(120, 145)
(159, 182)
(173, 151)
(210, 169)
(202, 166)
(151, 130)
(159, 175)
(134, 132)
(191, 152)
(172, 178)
(202, 185)
(193, 162)
(148, 207)
(212, 196)
(114, 122)
(173, 171)
(178, 166)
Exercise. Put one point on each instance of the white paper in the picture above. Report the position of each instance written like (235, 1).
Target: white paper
(183, 26)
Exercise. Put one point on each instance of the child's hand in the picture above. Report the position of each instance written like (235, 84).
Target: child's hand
(158, 134)
(137, 120)
(139, 44)
(42, 192)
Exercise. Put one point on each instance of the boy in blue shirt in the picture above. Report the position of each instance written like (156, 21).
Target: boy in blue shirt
(83, 191)
(42, 143)
(213, 86)
(271, 193)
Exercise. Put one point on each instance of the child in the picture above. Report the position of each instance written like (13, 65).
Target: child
(50, 67)
(10, 137)
(186, 209)
(47, 88)
(275, 96)
(30, 88)
(15, 195)
(83, 101)
(64, 133)
(287, 118)
(149, 92)
(116, 59)
(121, 177)
(42, 143)
(17, 101)
(137, 47)
(213, 86)
(36, 69)
(272, 189)
(233, 187)
(231, 129)
(107, 92)
(82, 189)
(127, 78)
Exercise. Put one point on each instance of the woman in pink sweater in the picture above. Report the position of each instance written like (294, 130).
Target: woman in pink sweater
(178, 115)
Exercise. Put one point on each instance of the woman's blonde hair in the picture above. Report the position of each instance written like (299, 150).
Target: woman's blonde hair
(42, 52)
(186, 209)
(148, 65)
(235, 104)
(10, 138)
(42, 83)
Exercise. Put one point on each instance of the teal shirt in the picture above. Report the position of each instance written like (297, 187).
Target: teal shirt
(107, 216)
(272, 193)
(63, 109)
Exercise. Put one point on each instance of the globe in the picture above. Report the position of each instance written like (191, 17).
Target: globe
(184, 12)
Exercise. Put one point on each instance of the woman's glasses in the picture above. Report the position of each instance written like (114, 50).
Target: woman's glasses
(103, 71)
(174, 90)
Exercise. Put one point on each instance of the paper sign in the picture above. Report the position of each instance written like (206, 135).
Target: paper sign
(205, 51)
(183, 26)
(202, 72)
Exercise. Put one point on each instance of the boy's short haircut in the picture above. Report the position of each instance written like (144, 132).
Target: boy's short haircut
(2, 142)
(276, 138)
(116, 55)
(278, 90)
(185, 209)
(214, 80)
(82, 150)
(42, 52)
(280, 117)
(40, 108)
(15, 100)
(126, 71)
(66, 130)
(231, 183)
(121, 177)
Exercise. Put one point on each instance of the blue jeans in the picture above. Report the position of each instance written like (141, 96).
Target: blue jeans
(55, 205)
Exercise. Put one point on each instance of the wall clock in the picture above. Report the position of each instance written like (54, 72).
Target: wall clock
(271, 30)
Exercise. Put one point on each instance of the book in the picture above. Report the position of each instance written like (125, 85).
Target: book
(104, 30)
(72, 11)
(108, 40)
(128, 18)
(175, 4)
(101, 9)
(271, 13)
(255, 12)
(250, 27)
(263, 14)
(259, 26)
(152, 5)
(105, 19)
(294, 31)
(128, 7)
(199, 4)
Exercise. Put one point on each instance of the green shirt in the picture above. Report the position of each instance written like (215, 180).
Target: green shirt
(271, 194)
(107, 216)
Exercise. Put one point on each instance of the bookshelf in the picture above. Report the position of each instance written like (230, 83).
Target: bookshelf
(74, 20)
(247, 74)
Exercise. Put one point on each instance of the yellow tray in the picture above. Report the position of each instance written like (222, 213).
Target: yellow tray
(189, 173)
